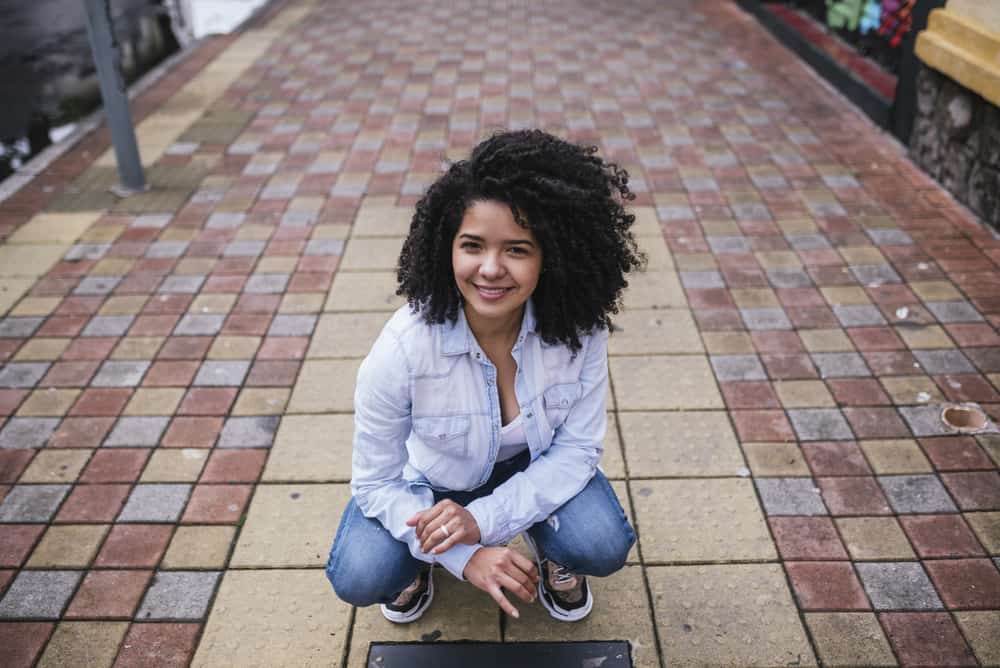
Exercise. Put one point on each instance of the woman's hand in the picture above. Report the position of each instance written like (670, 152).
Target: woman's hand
(493, 568)
(459, 527)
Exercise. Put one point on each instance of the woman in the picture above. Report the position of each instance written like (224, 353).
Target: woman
(480, 410)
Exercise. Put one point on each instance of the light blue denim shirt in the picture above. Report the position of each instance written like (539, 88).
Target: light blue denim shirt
(427, 415)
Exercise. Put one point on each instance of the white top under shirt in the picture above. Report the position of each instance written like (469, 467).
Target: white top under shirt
(512, 439)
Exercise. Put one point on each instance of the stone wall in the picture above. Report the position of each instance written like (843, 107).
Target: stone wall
(956, 139)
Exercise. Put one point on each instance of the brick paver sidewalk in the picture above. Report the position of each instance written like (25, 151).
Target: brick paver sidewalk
(176, 369)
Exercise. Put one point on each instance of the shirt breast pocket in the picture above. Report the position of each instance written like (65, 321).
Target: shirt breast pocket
(559, 399)
(446, 434)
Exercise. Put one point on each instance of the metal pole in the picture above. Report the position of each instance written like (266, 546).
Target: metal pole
(116, 107)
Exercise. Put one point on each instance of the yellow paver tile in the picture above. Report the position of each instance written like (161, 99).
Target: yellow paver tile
(709, 519)
(35, 306)
(314, 511)
(825, 340)
(371, 254)
(987, 528)
(105, 233)
(363, 291)
(49, 402)
(56, 466)
(895, 456)
(680, 443)
(651, 332)
(345, 334)
(91, 644)
(462, 613)
(657, 254)
(113, 266)
(54, 228)
(980, 630)
(254, 232)
(728, 343)
(336, 231)
(274, 618)
(844, 295)
(302, 302)
(911, 389)
(803, 394)
(778, 259)
(695, 262)
(154, 401)
(234, 348)
(991, 443)
(994, 378)
(647, 223)
(193, 266)
(755, 298)
(212, 303)
(175, 465)
(276, 265)
(935, 291)
(261, 401)
(858, 255)
(797, 225)
(137, 348)
(11, 288)
(721, 228)
(775, 459)
(654, 289)
(123, 304)
(872, 538)
(738, 615)
(68, 546)
(924, 337)
(42, 349)
(849, 639)
(621, 610)
(325, 386)
(313, 448)
(199, 547)
(639, 383)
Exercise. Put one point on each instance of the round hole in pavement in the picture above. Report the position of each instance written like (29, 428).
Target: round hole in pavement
(964, 418)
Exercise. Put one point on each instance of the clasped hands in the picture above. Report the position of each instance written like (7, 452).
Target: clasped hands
(491, 569)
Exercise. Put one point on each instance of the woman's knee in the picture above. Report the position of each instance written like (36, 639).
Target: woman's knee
(607, 554)
(357, 587)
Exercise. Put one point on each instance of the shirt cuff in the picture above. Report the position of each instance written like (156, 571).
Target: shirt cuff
(484, 510)
(456, 558)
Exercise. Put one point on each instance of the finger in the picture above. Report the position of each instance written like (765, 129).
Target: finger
(433, 534)
(502, 601)
(524, 564)
(446, 544)
(412, 522)
(519, 589)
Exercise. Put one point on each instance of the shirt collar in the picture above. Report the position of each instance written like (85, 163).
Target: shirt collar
(456, 338)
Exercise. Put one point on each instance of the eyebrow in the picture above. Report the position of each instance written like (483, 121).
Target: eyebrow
(512, 242)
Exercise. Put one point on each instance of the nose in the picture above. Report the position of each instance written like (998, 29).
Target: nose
(492, 266)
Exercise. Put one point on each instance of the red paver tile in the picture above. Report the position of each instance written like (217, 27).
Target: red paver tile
(81, 432)
(872, 423)
(234, 466)
(115, 465)
(967, 387)
(718, 319)
(956, 453)
(835, 458)
(858, 495)
(966, 584)
(70, 374)
(185, 348)
(826, 585)
(154, 325)
(108, 594)
(789, 367)
(898, 363)
(93, 503)
(217, 504)
(777, 341)
(273, 373)
(10, 400)
(799, 297)
(207, 401)
(260, 304)
(749, 394)
(22, 642)
(192, 432)
(13, 461)
(160, 645)
(940, 536)
(8, 347)
(283, 348)
(6, 577)
(762, 426)
(134, 546)
(167, 304)
(16, 541)
(101, 401)
(709, 298)
(166, 373)
(875, 338)
(807, 538)
(974, 491)
(858, 392)
(68, 325)
(97, 348)
(926, 639)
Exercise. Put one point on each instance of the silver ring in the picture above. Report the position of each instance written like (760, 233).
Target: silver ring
(444, 530)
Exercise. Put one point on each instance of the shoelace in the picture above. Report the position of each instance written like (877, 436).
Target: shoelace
(559, 576)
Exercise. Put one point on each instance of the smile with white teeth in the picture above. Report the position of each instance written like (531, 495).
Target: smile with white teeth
(492, 291)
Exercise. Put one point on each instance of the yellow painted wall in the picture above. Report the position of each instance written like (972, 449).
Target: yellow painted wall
(962, 41)
(984, 13)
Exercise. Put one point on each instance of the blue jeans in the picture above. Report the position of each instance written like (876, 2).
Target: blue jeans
(589, 535)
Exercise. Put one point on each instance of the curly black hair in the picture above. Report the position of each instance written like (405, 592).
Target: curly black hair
(566, 195)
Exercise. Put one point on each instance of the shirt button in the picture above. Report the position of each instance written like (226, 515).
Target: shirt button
(529, 415)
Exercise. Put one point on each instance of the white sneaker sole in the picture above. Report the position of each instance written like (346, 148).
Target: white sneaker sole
(554, 610)
(416, 613)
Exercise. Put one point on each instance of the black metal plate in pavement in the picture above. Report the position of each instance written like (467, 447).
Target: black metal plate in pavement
(614, 654)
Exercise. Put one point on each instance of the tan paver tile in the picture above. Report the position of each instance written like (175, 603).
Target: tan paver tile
(895, 456)
(696, 262)
(843, 295)
(91, 644)
(123, 305)
(12, 289)
(261, 401)
(42, 349)
(980, 630)
(778, 259)
(657, 254)
(375, 220)
(363, 291)
(654, 289)
(796, 225)
(647, 223)
(36, 306)
(862, 255)
(803, 393)
(68, 546)
(314, 511)
(113, 266)
(274, 618)
(911, 389)
(371, 254)
(700, 520)
(337, 231)
(58, 228)
(325, 386)
(459, 612)
(55, 466)
(621, 611)
(639, 383)
(191, 265)
(755, 298)
(212, 303)
(314, 448)
(849, 639)
(775, 459)
(872, 538)
(935, 291)
(612, 462)
(825, 340)
(154, 401)
(48, 402)
(738, 615)
(683, 443)
(99, 234)
(987, 528)
(234, 348)
(302, 302)
(728, 343)
(137, 348)
(276, 265)
(199, 547)
(175, 465)
(924, 337)
(651, 332)
(346, 334)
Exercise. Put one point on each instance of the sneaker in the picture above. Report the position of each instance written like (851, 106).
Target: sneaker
(413, 601)
(566, 596)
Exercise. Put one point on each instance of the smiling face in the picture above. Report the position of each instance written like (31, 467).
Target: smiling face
(496, 263)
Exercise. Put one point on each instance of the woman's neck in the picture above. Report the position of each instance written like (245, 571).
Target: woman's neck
(494, 334)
